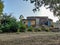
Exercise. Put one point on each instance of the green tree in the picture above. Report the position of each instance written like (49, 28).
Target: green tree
(1, 10)
(1, 7)
(22, 26)
(19, 23)
(21, 17)
(53, 5)
(8, 24)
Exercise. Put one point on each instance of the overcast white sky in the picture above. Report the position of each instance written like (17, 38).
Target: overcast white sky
(47, 12)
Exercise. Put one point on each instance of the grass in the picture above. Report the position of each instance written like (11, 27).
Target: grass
(30, 38)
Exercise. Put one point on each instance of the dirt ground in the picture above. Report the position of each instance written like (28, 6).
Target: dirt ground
(30, 38)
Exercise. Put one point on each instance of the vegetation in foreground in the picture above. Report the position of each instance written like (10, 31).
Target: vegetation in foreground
(10, 24)
(36, 38)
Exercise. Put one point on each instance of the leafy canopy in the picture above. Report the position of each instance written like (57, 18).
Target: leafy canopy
(53, 5)
(1, 7)
(8, 23)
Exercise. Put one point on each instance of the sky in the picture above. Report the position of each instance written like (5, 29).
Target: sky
(20, 7)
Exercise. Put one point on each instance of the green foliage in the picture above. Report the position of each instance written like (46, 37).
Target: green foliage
(30, 28)
(45, 29)
(21, 17)
(53, 5)
(37, 29)
(18, 31)
(0, 28)
(5, 28)
(8, 24)
(1, 7)
(22, 28)
(0, 31)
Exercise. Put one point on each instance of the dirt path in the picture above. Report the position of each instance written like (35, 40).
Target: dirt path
(9, 36)
(36, 38)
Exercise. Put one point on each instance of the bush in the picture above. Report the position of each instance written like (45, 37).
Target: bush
(1, 28)
(13, 27)
(9, 24)
(37, 29)
(22, 28)
(5, 28)
(45, 29)
(30, 29)
(55, 30)
(1, 31)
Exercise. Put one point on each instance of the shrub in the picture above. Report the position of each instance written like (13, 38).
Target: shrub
(42, 28)
(55, 30)
(13, 27)
(6, 28)
(37, 29)
(47, 29)
(1, 31)
(8, 24)
(22, 28)
(30, 29)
